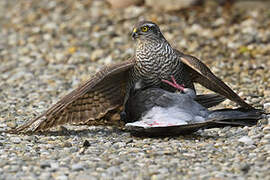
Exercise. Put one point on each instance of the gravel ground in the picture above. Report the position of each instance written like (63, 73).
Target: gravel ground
(48, 47)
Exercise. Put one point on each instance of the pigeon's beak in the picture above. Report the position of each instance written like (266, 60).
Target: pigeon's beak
(135, 33)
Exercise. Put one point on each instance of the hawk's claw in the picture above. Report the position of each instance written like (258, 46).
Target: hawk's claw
(174, 84)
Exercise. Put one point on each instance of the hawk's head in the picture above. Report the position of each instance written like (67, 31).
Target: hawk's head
(146, 29)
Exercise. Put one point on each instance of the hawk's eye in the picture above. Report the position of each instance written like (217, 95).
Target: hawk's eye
(144, 29)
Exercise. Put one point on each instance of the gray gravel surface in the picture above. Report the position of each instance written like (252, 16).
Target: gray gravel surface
(48, 47)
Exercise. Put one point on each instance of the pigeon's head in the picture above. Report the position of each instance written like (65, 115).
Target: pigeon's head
(146, 30)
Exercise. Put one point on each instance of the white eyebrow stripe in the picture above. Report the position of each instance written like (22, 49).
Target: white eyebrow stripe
(149, 24)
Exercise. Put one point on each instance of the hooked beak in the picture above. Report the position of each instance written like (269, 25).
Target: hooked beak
(135, 33)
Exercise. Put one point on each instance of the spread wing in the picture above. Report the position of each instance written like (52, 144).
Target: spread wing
(203, 75)
(87, 104)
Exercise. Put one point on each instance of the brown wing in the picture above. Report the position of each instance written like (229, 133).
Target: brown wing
(88, 103)
(203, 75)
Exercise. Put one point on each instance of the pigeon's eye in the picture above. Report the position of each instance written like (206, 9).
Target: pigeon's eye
(144, 29)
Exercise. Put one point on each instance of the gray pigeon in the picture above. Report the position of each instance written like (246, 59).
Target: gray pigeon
(155, 111)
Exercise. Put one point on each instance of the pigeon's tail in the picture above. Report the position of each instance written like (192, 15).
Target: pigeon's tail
(235, 117)
(209, 100)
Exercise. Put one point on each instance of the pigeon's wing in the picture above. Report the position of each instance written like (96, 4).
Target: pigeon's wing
(209, 100)
(87, 104)
(203, 75)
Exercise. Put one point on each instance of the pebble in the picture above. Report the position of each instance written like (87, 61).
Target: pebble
(96, 54)
(266, 129)
(267, 136)
(246, 140)
(45, 164)
(11, 124)
(77, 167)
(45, 175)
(15, 140)
(266, 105)
(86, 177)
(117, 4)
(170, 5)
(61, 177)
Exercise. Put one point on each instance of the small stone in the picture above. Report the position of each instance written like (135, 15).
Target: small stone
(266, 105)
(47, 37)
(67, 144)
(45, 176)
(85, 177)
(11, 124)
(54, 166)
(118, 145)
(266, 129)
(245, 168)
(123, 3)
(113, 170)
(15, 140)
(86, 143)
(45, 164)
(267, 136)
(72, 50)
(61, 177)
(266, 93)
(108, 60)
(96, 54)
(50, 26)
(59, 56)
(189, 154)
(170, 5)
(77, 167)
(246, 140)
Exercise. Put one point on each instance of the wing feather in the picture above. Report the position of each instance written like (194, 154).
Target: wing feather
(205, 77)
(91, 101)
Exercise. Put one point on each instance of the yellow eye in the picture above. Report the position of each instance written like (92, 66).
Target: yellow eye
(144, 29)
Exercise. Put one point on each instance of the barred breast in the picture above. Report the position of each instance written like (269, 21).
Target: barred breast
(156, 60)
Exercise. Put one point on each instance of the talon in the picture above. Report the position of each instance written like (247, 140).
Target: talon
(174, 84)
(173, 79)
